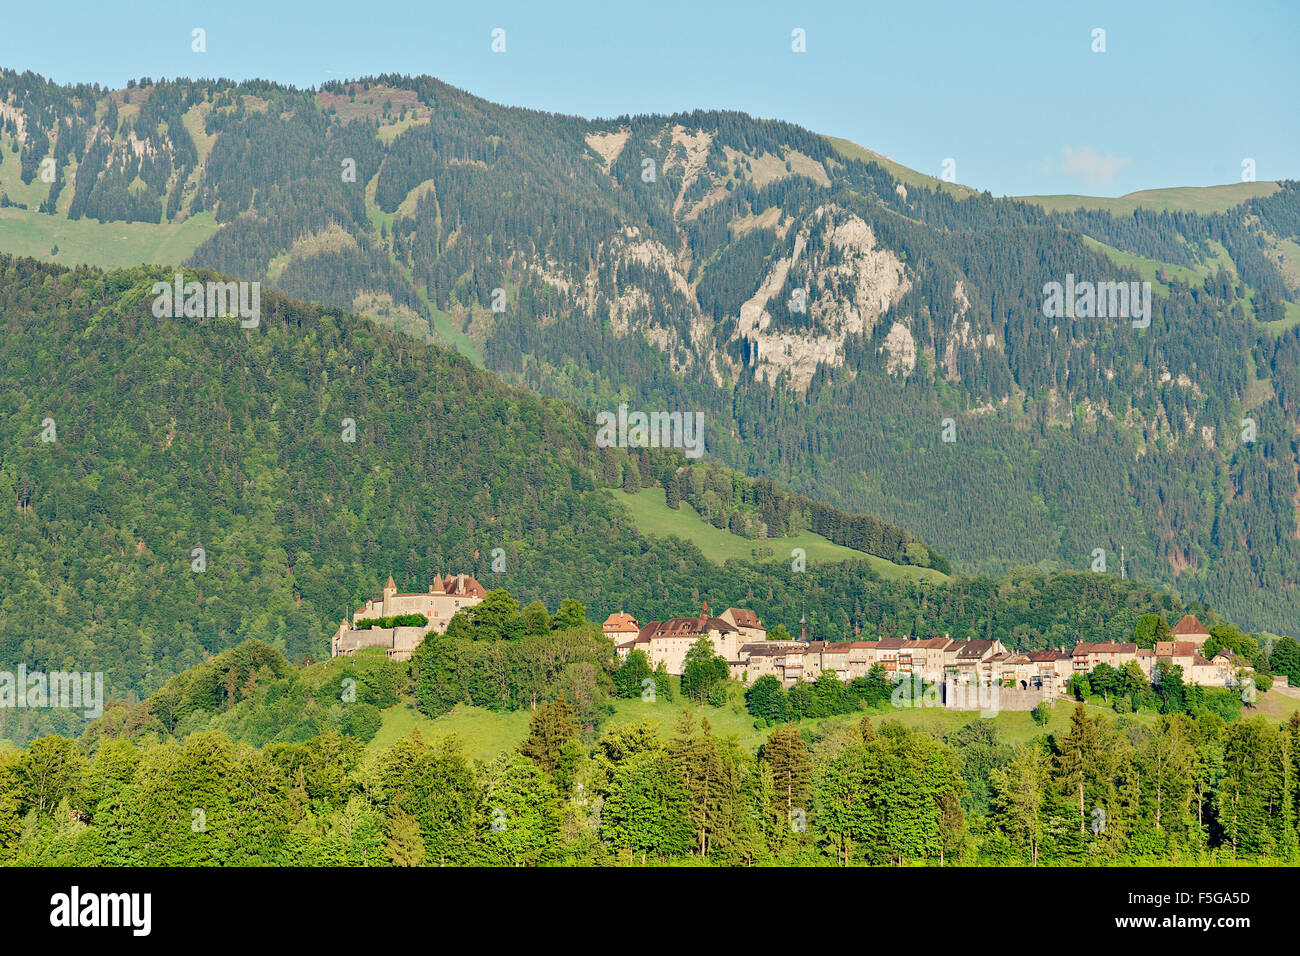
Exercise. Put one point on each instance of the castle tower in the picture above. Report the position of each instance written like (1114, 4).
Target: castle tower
(390, 592)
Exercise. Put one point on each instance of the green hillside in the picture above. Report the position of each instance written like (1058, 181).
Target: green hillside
(655, 519)
(1151, 270)
(206, 435)
(106, 245)
(280, 768)
(531, 243)
(909, 177)
(485, 733)
(1199, 199)
(231, 441)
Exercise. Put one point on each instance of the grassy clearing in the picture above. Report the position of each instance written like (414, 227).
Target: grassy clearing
(654, 518)
(106, 245)
(1202, 199)
(1276, 707)
(486, 733)
(1282, 325)
(333, 238)
(11, 181)
(768, 168)
(1148, 268)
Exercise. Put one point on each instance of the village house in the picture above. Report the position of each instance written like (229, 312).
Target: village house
(1054, 669)
(746, 622)
(812, 660)
(1017, 670)
(1208, 673)
(927, 658)
(1229, 668)
(446, 596)
(1088, 655)
(835, 659)
(667, 642)
(620, 628)
(1175, 653)
(781, 659)
(964, 660)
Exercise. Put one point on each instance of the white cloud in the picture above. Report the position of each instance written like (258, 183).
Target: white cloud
(1095, 169)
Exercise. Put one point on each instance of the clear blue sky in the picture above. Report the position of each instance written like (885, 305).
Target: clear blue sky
(1010, 90)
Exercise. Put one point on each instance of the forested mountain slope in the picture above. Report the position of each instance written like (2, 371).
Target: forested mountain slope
(127, 441)
(825, 317)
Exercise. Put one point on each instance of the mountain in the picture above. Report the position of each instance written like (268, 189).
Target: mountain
(834, 316)
(128, 441)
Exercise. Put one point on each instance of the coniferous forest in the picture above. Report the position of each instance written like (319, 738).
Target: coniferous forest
(416, 202)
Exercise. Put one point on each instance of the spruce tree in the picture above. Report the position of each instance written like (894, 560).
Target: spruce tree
(552, 726)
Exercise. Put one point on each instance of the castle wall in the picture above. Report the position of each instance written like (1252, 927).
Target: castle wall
(438, 608)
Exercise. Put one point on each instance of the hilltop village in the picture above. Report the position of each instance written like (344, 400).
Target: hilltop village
(739, 636)
(397, 623)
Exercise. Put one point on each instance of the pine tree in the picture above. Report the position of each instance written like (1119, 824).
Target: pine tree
(1079, 760)
(673, 492)
(405, 845)
(702, 776)
(1019, 793)
(552, 726)
(787, 755)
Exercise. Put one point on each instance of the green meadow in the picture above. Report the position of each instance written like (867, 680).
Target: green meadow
(107, 245)
(654, 518)
(1202, 199)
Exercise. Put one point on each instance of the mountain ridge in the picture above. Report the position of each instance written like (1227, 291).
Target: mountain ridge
(674, 291)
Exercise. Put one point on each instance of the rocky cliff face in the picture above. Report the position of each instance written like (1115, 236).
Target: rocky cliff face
(835, 276)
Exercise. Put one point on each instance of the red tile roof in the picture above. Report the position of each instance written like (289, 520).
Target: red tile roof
(620, 622)
(1190, 625)
(935, 643)
(1083, 648)
(743, 617)
(683, 627)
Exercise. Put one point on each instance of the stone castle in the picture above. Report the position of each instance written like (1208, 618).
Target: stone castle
(445, 597)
